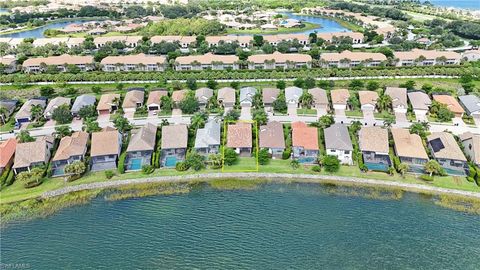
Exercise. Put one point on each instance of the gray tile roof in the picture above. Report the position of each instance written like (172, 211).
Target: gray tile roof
(292, 94)
(470, 103)
(8, 104)
(247, 93)
(337, 137)
(419, 100)
(203, 94)
(82, 101)
(174, 137)
(25, 110)
(209, 135)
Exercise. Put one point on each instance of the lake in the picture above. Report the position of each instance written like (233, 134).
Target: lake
(38, 32)
(466, 4)
(326, 25)
(276, 226)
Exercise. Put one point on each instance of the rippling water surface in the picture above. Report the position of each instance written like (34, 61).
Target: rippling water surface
(295, 226)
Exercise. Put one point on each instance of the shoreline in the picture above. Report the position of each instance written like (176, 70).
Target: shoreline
(272, 177)
(15, 31)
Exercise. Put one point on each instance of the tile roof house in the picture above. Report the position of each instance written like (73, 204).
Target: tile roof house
(471, 146)
(368, 100)
(340, 99)
(84, 63)
(420, 103)
(279, 60)
(183, 41)
(426, 58)
(226, 96)
(239, 137)
(329, 37)
(10, 106)
(105, 149)
(269, 95)
(134, 62)
(108, 103)
(133, 100)
(338, 143)
(399, 98)
(271, 137)
(24, 114)
(207, 139)
(9, 64)
(409, 149)
(71, 148)
(446, 151)
(7, 152)
(141, 147)
(206, 61)
(179, 95)
(83, 101)
(320, 99)
(304, 143)
(292, 96)
(471, 55)
(55, 103)
(351, 59)
(203, 95)
(174, 145)
(246, 96)
(32, 154)
(471, 104)
(155, 99)
(451, 103)
(373, 142)
(243, 41)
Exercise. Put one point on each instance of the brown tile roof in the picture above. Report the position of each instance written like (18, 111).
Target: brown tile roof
(428, 54)
(174, 136)
(239, 39)
(451, 102)
(304, 136)
(31, 152)
(74, 145)
(373, 139)
(226, 94)
(239, 135)
(329, 36)
(144, 139)
(269, 95)
(203, 94)
(179, 95)
(398, 96)
(180, 39)
(207, 58)
(408, 145)
(134, 59)
(106, 100)
(450, 149)
(319, 95)
(279, 57)
(271, 135)
(132, 98)
(340, 96)
(7, 150)
(155, 96)
(282, 37)
(59, 60)
(354, 56)
(368, 97)
(419, 100)
(105, 142)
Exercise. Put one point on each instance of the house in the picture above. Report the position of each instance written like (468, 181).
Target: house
(226, 97)
(24, 114)
(155, 99)
(9, 64)
(108, 103)
(9, 105)
(292, 96)
(55, 103)
(207, 139)
(271, 138)
(471, 55)
(203, 95)
(340, 100)
(278, 60)
(471, 146)
(338, 143)
(352, 59)
(133, 99)
(304, 143)
(239, 137)
(409, 149)
(398, 95)
(246, 96)
(134, 62)
(471, 104)
(184, 41)
(368, 102)
(174, 145)
(420, 103)
(141, 147)
(82, 101)
(105, 149)
(39, 64)
(331, 37)
(373, 142)
(446, 151)
(7, 152)
(451, 103)
(129, 41)
(32, 154)
(179, 95)
(71, 148)
(269, 95)
(417, 57)
(206, 61)
(242, 41)
(320, 100)
(274, 40)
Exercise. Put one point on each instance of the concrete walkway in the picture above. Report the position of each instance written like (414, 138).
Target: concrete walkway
(268, 176)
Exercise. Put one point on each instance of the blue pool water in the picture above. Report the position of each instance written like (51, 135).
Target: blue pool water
(306, 160)
(135, 164)
(376, 167)
(170, 161)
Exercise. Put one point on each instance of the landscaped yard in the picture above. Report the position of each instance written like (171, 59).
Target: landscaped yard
(356, 113)
(243, 164)
(9, 126)
(306, 111)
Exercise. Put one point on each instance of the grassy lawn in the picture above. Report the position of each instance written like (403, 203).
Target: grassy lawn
(306, 111)
(280, 30)
(9, 126)
(243, 164)
(356, 113)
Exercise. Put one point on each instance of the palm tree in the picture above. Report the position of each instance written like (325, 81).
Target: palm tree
(432, 167)
(63, 131)
(306, 100)
(3, 114)
(295, 164)
(198, 120)
(389, 121)
(384, 102)
(36, 111)
(403, 168)
(24, 136)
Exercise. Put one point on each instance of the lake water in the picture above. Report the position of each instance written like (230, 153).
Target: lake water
(466, 4)
(38, 32)
(326, 25)
(277, 226)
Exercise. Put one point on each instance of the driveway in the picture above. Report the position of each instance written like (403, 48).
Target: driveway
(477, 120)
(292, 111)
(322, 112)
(458, 121)
(50, 123)
(176, 113)
(400, 118)
(368, 116)
(129, 115)
(102, 118)
(246, 113)
(340, 113)
(421, 117)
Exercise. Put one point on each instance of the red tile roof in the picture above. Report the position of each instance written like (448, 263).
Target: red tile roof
(7, 149)
(304, 136)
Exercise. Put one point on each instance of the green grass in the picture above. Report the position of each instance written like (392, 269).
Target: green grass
(280, 30)
(9, 126)
(355, 113)
(306, 111)
(242, 164)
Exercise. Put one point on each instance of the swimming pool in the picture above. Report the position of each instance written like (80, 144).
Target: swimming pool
(306, 160)
(135, 164)
(170, 161)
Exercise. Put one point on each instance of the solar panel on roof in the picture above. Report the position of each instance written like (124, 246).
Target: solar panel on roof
(437, 145)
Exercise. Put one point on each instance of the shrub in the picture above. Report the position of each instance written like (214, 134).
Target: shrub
(121, 162)
(286, 154)
(10, 178)
(181, 166)
(331, 163)
(316, 168)
(147, 169)
(4, 176)
(230, 157)
(426, 177)
(263, 157)
(109, 174)
(470, 179)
